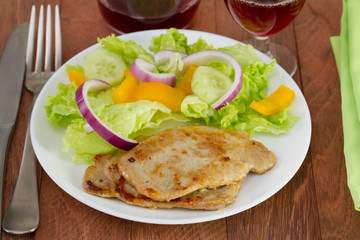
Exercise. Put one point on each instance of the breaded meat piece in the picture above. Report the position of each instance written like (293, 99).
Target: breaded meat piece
(182, 160)
(103, 179)
(99, 179)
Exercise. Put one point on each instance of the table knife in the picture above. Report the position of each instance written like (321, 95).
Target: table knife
(12, 70)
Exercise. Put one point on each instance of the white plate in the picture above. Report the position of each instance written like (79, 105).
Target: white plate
(290, 149)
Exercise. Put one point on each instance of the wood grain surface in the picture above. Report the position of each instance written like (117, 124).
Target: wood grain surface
(315, 204)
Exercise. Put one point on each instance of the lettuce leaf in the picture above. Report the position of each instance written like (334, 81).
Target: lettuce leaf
(128, 50)
(192, 106)
(200, 45)
(129, 120)
(176, 41)
(82, 145)
(171, 40)
(61, 109)
(244, 54)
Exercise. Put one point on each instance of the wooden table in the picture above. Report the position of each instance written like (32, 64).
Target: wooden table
(315, 204)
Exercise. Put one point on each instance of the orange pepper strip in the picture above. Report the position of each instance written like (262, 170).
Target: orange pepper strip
(185, 83)
(160, 92)
(77, 78)
(123, 93)
(274, 103)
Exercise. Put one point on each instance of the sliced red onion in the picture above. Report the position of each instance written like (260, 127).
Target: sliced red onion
(94, 85)
(142, 70)
(163, 56)
(210, 56)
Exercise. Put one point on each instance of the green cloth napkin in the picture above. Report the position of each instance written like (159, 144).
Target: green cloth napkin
(346, 49)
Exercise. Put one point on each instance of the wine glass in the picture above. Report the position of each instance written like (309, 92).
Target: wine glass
(125, 16)
(262, 18)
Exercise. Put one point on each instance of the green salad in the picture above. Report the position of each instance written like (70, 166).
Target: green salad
(144, 117)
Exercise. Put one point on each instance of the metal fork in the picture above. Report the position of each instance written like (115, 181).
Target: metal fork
(22, 215)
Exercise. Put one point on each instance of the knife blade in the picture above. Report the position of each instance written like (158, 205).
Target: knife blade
(12, 70)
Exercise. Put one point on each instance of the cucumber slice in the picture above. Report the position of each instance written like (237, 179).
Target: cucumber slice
(104, 65)
(209, 84)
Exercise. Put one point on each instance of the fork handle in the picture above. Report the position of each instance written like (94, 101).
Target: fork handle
(22, 215)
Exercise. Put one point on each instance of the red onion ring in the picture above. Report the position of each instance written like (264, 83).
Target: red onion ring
(209, 56)
(115, 139)
(142, 70)
(164, 56)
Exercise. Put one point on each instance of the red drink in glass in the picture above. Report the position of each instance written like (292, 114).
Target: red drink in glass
(264, 17)
(126, 16)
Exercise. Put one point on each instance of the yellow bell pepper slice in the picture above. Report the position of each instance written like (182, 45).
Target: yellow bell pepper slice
(274, 103)
(123, 93)
(76, 77)
(160, 92)
(185, 83)
(130, 91)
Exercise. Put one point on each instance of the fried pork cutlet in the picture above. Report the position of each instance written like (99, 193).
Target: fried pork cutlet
(103, 179)
(182, 160)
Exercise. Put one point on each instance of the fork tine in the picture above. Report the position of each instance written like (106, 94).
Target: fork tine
(31, 40)
(48, 39)
(58, 50)
(40, 41)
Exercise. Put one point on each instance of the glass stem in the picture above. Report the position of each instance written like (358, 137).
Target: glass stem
(263, 45)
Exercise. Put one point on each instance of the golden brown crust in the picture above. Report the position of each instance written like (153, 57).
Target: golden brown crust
(178, 161)
(104, 180)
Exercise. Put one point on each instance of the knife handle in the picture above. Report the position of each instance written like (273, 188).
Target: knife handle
(5, 132)
(22, 215)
